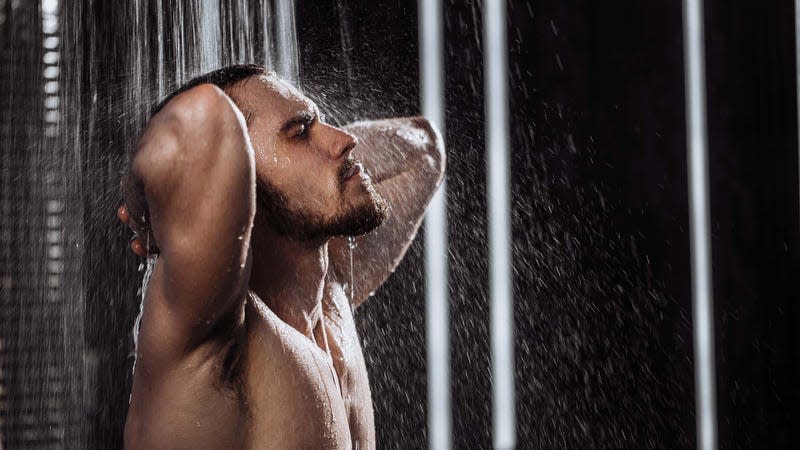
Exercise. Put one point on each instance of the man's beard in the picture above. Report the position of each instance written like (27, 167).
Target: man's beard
(305, 226)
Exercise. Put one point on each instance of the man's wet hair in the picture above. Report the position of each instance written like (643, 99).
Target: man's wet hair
(224, 78)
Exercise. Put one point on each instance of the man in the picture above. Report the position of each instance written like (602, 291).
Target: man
(247, 339)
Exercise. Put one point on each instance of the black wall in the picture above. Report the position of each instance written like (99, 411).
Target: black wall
(600, 213)
(754, 209)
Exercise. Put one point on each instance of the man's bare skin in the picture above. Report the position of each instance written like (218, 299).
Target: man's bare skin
(247, 338)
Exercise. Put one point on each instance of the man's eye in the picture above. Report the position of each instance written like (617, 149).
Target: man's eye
(302, 131)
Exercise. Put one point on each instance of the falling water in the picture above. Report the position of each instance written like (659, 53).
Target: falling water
(288, 64)
(266, 17)
(210, 42)
(351, 246)
(209, 35)
(148, 272)
(86, 75)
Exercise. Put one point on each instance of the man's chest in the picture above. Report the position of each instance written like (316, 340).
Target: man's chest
(316, 390)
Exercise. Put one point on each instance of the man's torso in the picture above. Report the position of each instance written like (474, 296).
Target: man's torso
(300, 395)
(275, 388)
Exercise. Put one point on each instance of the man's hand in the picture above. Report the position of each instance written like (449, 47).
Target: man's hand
(137, 246)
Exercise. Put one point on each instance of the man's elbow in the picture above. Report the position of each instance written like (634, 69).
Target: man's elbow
(434, 154)
(204, 117)
(201, 106)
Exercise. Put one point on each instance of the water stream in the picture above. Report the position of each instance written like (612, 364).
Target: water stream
(86, 75)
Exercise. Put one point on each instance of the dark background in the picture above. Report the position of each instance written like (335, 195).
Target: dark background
(600, 210)
(600, 213)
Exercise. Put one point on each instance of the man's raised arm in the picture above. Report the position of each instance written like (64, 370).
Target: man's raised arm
(194, 171)
(405, 158)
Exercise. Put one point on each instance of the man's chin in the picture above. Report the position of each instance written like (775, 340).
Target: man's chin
(365, 212)
(363, 219)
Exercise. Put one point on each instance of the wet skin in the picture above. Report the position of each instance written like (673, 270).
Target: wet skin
(247, 338)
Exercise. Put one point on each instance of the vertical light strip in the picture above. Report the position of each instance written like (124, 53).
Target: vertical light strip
(500, 284)
(53, 202)
(705, 388)
(437, 298)
(160, 63)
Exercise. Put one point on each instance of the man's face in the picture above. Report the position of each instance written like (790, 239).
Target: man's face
(308, 185)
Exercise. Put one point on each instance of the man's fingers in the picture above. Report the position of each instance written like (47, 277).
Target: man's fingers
(136, 243)
(122, 214)
(138, 247)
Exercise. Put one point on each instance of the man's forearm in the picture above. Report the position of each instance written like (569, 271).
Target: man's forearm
(389, 148)
(405, 159)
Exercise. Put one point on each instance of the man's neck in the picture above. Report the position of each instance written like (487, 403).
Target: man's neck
(289, 276)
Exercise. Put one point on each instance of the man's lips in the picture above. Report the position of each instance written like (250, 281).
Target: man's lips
(353, 171)
(349, 169)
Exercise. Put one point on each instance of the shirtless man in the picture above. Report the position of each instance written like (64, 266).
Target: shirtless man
(247, 338)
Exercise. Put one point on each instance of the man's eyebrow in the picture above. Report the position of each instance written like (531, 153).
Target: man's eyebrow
(304, 117)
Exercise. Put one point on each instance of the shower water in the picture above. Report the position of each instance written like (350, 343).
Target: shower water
(148, 272)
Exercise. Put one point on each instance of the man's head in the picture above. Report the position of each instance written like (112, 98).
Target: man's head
(308, 185)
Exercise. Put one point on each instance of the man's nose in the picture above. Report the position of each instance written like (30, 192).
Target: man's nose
(341, 143)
